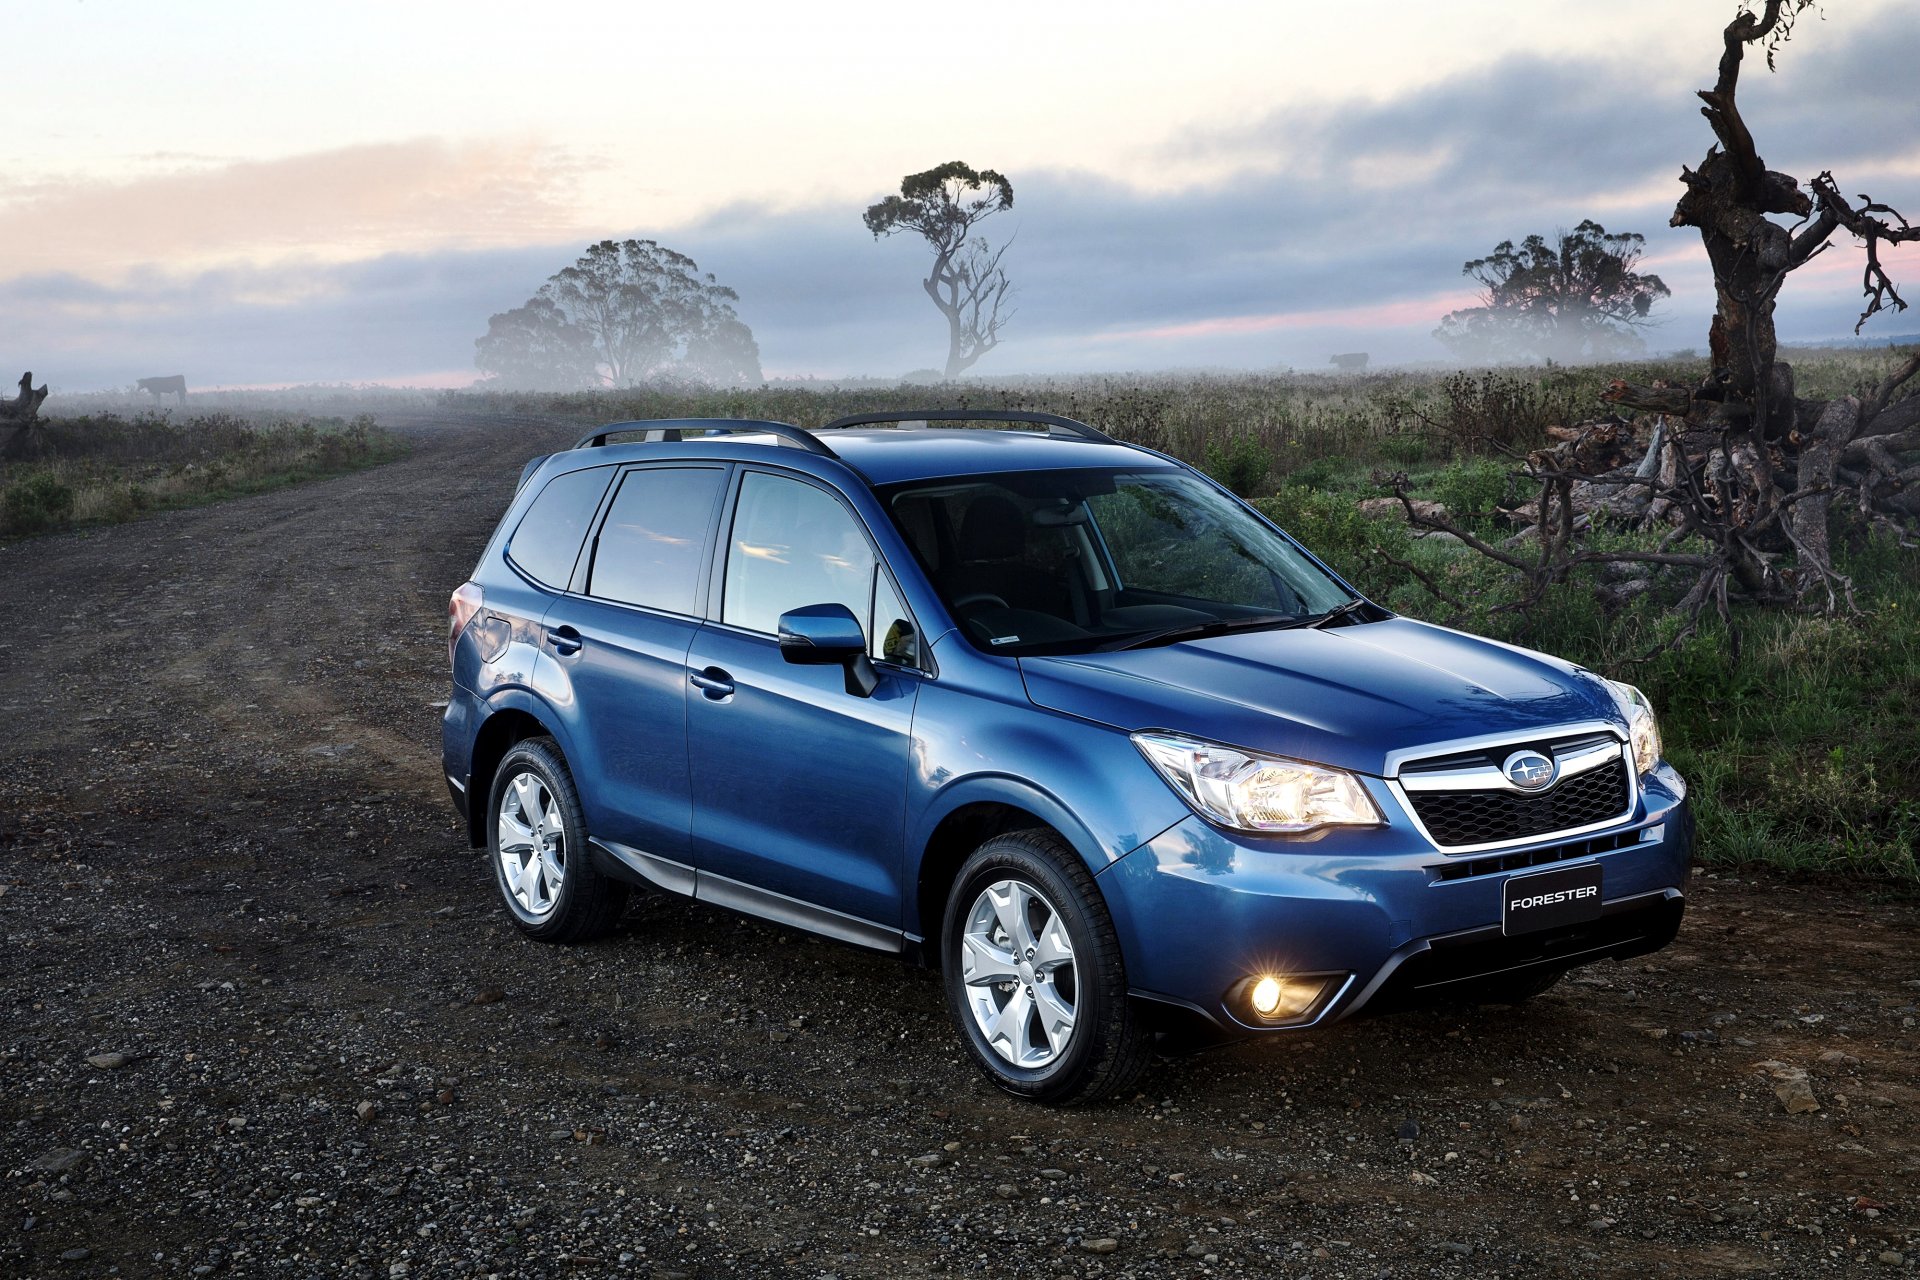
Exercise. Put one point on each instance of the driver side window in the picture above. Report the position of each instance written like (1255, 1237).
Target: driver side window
(793, 545)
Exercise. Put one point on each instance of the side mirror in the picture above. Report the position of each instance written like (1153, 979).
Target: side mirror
(820, 635)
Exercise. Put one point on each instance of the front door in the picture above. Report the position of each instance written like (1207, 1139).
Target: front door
(799, 787)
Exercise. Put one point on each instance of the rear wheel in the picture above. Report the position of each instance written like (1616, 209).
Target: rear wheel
(1033, 973)
(537, 842)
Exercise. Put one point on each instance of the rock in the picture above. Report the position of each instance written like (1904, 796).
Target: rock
(1839, 1058)
(1519, 1123)
(1409, 1131)
(1420, 1179)
(931, 1160)
(108, 1061)
(1600, 1224)
(1892, 1257)
(1006, 1191)
(76, 1255)
(1054, 1175)
(488, 995)
(1105, 1244)
(559, 1135)
(60, 1160)
(366, 1111)
(1796, 1096)
(1391, 509)
(1456, 1249)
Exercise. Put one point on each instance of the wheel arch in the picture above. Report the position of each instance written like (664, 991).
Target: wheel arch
(508, 721)
(968, 816)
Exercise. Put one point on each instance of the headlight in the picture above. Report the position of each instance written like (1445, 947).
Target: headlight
(1257, 793)
(1640, 724)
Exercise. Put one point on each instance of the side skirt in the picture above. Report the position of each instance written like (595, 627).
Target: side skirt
(735, 895)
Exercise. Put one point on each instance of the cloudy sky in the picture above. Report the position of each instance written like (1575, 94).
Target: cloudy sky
(268, 194)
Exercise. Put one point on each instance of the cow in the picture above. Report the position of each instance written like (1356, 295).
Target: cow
(174, 384)
(1350, 362)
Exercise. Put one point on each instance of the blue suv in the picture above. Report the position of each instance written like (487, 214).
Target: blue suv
(1054, 714)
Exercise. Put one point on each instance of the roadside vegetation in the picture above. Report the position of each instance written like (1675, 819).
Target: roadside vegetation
(1800, 734)
(103, 468)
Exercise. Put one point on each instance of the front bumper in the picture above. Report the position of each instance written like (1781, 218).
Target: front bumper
(1199, 909)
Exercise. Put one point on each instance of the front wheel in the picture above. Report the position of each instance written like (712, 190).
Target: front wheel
(1033, 974)
(537, 841)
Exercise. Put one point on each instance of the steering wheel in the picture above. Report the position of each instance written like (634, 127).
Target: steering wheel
(979, 598)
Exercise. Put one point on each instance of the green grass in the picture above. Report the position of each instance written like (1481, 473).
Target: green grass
(104, 468)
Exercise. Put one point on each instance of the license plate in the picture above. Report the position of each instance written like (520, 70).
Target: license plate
(1570, 895)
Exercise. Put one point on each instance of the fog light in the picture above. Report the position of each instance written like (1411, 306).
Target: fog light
(1276, 999)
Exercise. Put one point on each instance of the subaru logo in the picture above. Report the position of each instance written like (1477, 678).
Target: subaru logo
(1529, 770)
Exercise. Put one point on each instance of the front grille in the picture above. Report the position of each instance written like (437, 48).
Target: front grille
(1490, 817)
(1505, 863)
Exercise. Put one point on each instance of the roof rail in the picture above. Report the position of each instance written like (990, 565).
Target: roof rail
(1069, 425)
(671, 429)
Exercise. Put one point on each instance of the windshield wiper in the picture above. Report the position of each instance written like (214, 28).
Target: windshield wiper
(1201, 630)
(1337, 612)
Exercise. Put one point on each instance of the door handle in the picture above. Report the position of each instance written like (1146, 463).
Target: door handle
(714, 682)
(565, 640)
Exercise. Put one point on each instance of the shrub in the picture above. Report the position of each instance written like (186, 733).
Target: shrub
(1241, 464)
(35, 501)
(1331, 526)
(1472, 488)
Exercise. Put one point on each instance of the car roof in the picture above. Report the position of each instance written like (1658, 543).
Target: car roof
(890, 455)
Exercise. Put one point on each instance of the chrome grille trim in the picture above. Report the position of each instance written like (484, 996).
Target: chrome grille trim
(1404, 775)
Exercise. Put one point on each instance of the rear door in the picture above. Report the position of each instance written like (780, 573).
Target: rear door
(622, 636)
(799, 787)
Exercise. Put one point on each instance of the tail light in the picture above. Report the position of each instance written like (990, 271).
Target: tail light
(461, 609)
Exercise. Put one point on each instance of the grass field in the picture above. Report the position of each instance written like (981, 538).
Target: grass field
(101, 468)
(1800, 735)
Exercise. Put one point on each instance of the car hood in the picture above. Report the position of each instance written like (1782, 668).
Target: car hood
(1344, 696)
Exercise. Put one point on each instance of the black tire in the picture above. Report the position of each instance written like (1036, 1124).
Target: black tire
(1107, 1049)
(1512, 989)
(588, 904)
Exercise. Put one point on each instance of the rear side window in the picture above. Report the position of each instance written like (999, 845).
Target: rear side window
(548, 540)
(650, 548)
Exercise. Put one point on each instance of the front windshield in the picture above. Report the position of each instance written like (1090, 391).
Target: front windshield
(1040, 562)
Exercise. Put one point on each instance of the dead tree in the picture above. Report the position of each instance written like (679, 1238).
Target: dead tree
(23, 409)
(1746, 476)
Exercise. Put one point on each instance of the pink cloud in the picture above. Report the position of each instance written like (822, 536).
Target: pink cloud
(1425, 310)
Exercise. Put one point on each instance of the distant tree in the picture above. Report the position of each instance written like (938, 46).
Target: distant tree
(626, 311)
(967, 283)
(1577, 298)
(726, 353)
(535, 346)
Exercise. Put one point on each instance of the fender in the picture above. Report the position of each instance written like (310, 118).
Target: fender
(1019, 793)
(520, 698)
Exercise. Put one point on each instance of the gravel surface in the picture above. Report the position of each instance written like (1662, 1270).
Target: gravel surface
(263, 1018)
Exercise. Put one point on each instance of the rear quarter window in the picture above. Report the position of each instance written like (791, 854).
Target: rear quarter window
(546, 543)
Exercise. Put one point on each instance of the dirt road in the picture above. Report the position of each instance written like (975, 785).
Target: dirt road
(263, 1018)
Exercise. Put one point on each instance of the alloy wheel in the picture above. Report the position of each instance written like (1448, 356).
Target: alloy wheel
(532, 842)
(1022, 984)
